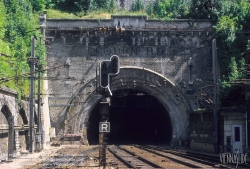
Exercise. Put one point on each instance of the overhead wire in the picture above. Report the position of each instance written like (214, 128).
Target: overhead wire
(25, 75)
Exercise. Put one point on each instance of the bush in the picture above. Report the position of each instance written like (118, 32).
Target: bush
(137, 6)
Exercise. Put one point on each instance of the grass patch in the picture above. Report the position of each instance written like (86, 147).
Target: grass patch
(99, 14)
(56, 14)
(125, 12)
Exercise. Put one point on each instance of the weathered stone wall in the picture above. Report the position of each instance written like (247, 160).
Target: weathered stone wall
(10, 107)
(178, 50)
(202, 131)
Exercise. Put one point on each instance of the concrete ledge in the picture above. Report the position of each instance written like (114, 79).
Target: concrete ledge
(7, 90)
(206, 147)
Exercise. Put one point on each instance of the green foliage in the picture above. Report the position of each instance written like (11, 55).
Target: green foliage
(230, 19)
(53, 13)
(18, 22)
(248, 45)
(71, 5)
(200, 9)
(112, 6)
(93, 6)
(38, 5)
(2, 20)
(168, 9)
(230, 93)
(103, 4)
(137, 6)
(226, 27)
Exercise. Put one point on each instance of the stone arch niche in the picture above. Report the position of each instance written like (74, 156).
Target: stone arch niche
(141, 79)
(7, 132)
(35, 118)
(23, 133)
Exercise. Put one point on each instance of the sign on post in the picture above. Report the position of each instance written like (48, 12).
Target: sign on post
(104, 127)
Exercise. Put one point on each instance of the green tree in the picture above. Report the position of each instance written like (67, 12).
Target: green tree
(38, 5)
(230, 20)
(112, 6)
(200, 9)
(137, 6)
(101, 3)
(169, 9)
(248, 45)
(15, 41)
(71, 5)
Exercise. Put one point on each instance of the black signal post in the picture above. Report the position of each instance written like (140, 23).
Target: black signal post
(107, 68)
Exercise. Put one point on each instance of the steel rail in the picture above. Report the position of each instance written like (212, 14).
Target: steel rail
(180, 154)
(132, 155)
(198, 156)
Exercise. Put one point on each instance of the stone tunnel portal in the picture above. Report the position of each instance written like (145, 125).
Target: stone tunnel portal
(145, 107)
(135, 117)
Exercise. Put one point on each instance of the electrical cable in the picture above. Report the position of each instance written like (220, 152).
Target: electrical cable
(4, 79)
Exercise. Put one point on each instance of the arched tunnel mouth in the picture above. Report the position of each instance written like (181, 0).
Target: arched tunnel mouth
(135, 117)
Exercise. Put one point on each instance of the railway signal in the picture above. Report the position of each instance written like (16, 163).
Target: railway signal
(104, 75)
(108, 68)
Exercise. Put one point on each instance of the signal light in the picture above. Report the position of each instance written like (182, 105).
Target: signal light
(114, 70)
(104, 80)
(114, 64)
(104, 66)
(108, 68)
(104, 74)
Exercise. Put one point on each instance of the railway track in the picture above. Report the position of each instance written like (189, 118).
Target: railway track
(128, 156)
(130, 159)
(209, 160)
(76, 159)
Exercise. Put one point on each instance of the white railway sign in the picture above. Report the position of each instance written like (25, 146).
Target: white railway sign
(104, 127)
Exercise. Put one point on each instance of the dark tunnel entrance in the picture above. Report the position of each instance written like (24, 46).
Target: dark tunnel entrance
(135, 118)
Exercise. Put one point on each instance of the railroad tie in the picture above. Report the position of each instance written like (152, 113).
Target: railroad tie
(139, 165)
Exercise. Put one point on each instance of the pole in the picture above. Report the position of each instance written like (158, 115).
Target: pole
(11, 138)
(215, 115)
(246, 133)
(39, 124)
(247, 88)
(104, 115)
(247, 109)
(31, 98)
